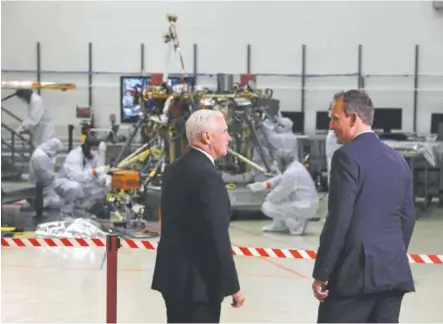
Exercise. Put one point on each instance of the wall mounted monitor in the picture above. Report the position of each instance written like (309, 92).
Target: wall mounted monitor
(387, 119)
(436, 119)
(322, 121)
(298, 118)
(131, 87)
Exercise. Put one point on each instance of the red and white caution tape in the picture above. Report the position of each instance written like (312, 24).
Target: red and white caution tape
(425, 258)
(53, 242)
(274, 253)
(152, 245)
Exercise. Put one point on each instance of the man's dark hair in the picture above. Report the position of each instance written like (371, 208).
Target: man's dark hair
(359, 103)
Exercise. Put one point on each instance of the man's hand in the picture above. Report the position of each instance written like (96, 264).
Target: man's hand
(320, 291)
(238, 299)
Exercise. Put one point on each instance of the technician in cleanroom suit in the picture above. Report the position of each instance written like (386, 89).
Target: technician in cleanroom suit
(278, 136)
(292, 200)
(41, 170)
(88, 181)
(38, 122)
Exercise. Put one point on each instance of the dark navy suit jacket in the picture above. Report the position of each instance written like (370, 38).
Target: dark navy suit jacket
(364, 242)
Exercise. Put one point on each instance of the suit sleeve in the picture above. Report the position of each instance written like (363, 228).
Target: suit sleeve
(215, 226)
(342, 195)
(407, 212)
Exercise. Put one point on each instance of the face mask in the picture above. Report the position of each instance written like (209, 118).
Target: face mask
(87, 152)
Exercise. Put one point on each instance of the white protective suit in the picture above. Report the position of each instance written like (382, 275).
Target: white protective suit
(292, 202)
(279, 136)
(38, 122)
(41, 169)
(88, 181)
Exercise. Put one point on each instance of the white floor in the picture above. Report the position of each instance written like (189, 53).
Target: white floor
(58, 285)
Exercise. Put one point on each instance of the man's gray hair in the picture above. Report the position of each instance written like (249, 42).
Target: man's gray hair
(200, 121)
(359, 103)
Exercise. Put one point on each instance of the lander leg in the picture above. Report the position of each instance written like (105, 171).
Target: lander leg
(258, 145)
(128, 141)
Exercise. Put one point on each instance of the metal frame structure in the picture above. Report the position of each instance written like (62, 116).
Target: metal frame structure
(304, 74)
(172, 37)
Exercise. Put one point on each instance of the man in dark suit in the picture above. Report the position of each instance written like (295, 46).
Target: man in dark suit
(362, 270)
(195, 267)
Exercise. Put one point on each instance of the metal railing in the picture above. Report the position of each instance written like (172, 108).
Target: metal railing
(16, 150)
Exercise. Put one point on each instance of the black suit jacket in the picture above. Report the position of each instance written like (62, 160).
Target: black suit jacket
(194, 257)
(371, 218)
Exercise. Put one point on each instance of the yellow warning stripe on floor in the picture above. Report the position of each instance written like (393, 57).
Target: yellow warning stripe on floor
(8, 229)
(24, 234)
(17, 232)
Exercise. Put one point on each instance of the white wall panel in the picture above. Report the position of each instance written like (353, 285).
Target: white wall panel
(276, 31)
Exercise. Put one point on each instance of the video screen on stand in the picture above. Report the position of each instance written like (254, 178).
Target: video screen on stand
(132, 86)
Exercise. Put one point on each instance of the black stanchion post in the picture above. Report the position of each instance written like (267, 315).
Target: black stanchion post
(112, 246)
(70, 136)
(38, 200)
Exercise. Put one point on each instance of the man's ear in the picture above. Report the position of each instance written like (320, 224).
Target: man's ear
(353, 119)
(205, 138)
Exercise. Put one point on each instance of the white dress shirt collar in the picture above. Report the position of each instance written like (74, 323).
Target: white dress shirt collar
(366, 131)
(205, 153)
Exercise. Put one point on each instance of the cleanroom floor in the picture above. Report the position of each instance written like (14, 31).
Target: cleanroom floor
(57, 285)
